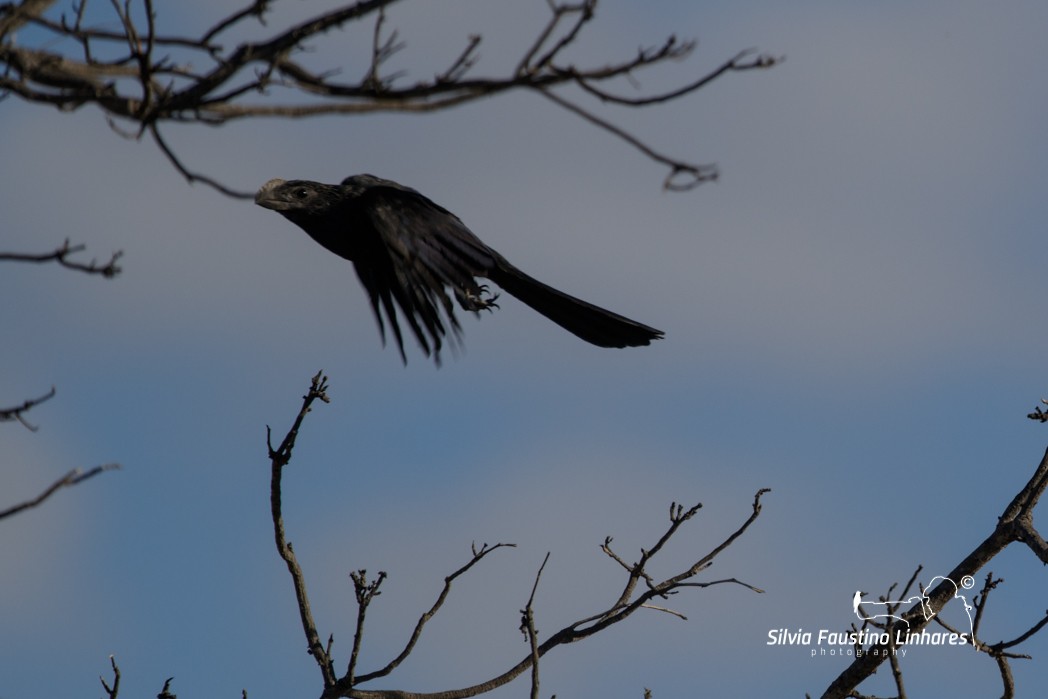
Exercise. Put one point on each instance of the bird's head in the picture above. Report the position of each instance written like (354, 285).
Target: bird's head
(297, 196)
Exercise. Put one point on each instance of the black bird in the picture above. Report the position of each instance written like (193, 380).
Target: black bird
(408, 250)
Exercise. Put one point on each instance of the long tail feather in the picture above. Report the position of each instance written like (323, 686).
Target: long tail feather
(593, 324)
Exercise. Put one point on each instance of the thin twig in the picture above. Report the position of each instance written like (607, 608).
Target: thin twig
(463, 63)
(696, 174)
(735, 64)
(478, 555)
(255, 9)
(16, 413)
(584, 13)
(365, 592)
(62, 254)
(527, 627)
(192, 177)
(113, 690)
(165, 693)
(70, 479)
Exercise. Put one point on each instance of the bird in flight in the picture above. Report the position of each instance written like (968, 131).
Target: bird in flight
(408, 252)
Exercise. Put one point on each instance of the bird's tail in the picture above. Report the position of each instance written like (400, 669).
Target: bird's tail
(592, 323)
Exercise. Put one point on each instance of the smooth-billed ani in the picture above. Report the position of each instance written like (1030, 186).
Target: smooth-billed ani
(407, 251)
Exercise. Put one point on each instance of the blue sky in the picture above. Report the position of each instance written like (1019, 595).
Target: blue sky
(853, 318)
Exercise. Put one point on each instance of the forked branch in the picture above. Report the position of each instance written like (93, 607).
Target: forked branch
(17, 413)
(1015, 525)
(62, 255)
(618, 611)
(74, 477)
(150, 77)
(368, 589)
(279, 458)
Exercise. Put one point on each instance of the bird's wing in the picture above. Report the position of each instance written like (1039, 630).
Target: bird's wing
(420, 249)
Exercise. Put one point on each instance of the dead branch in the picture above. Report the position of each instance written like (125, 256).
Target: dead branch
(279, 458)
(618, 611)
(61, 255)
(1038, 413)
(367, 590)
(527, 627)
(17, 412)
(114, 690)
(165, 693)
(1015, 525)
(149, 77)
(478, 555)
(70, 479)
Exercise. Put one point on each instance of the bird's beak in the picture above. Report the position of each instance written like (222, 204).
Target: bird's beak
(267, 197)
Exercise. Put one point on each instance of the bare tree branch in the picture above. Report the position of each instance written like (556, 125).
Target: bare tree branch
(165, 693)
(61, 255)
(15, 16)
(197, 80)
(478, 554)
(527, 627)
(279, 458)
(69, 479)
(1038, 413)
(16, 413)
(113, 690)
(1026, 635)
(367, 590)
(256, 9)
(1014, 525)
(192, 177)
(583, 13)
(583, 628)
(735, 64)
(693, 175)
(382, 49)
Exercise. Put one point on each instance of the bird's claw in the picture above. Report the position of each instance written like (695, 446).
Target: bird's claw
(473, 299)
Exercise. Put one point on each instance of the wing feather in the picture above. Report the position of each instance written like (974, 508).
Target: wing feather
(422, 251)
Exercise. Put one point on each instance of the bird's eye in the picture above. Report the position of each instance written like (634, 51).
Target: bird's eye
(300, 193)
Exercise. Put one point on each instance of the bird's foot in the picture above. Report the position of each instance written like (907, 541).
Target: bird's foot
(474, 299)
